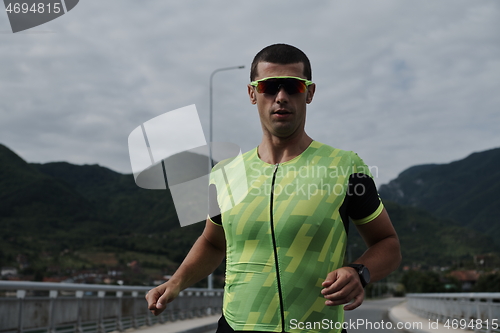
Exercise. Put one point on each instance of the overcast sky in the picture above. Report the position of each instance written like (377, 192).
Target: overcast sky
(399, 82)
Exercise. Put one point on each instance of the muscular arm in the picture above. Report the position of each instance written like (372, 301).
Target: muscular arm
(383, 254)
(382, 257)
(204, 257)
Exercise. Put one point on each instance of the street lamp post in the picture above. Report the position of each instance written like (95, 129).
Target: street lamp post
(211, 108)
(210, 160)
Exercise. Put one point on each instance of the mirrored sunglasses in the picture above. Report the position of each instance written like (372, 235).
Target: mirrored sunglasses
(271, 85)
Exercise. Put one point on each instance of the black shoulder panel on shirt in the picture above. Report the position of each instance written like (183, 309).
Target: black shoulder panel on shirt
(363, 196)
(361, 199)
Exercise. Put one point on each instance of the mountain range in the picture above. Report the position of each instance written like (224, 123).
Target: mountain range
(52, 208)
(444, 214)
(464, 191)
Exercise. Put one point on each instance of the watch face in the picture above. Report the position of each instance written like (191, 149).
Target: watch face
(365, 275)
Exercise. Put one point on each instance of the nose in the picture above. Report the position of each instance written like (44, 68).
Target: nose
(282, 95)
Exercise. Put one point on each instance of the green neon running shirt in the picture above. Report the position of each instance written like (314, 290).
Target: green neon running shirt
(284, 234)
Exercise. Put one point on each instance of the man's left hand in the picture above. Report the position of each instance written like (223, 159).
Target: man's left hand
(343, 286)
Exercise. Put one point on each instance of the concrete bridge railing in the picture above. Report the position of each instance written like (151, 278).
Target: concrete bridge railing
(66, 307)
(472, 311)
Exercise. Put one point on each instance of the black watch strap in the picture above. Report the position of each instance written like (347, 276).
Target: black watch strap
(363, 272)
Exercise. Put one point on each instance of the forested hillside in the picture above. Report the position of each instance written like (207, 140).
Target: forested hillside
(57, 218)
(465, 191)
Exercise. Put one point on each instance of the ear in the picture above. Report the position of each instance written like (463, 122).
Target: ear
(252, 94)
(310, 93)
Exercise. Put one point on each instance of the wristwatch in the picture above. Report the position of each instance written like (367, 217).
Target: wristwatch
(364, 273)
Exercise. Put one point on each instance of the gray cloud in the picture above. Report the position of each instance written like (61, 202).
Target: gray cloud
(399, 82)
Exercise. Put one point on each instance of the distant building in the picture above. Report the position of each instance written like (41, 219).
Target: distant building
(467, 278)
(8, 271)
(164, 278)
(55, 279)
(489, 260)
(134, 265)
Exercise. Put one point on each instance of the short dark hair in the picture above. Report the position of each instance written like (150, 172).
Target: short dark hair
(283, 54)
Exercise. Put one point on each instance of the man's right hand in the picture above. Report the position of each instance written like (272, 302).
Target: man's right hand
(159, 297)
(204, 257)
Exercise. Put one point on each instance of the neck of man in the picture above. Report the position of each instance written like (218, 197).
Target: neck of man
(275, 150)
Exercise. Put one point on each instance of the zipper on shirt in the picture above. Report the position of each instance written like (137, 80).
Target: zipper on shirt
(278, 278)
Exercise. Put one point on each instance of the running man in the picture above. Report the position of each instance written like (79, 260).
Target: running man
(284, 240)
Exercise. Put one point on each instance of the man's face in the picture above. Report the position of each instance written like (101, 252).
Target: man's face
(281, 115)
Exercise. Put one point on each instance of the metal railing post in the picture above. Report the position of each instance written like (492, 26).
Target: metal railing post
(52, 297)
(79, 296)
(490, 315)
(100, 324)
(478, 310)
(119, 323)
(135, 323)
(20, 294)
